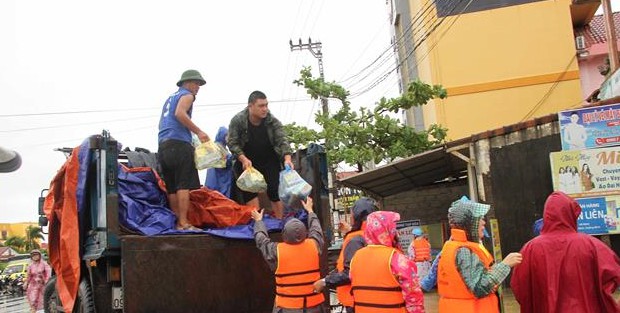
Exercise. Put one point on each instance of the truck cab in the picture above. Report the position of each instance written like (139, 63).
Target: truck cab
(122, 271)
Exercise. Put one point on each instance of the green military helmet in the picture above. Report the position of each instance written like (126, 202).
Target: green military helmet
(191, 75)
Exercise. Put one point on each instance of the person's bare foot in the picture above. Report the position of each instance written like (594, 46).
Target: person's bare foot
(188, 227)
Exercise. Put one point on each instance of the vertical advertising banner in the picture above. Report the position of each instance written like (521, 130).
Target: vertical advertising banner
(592, 177)
(590, 127)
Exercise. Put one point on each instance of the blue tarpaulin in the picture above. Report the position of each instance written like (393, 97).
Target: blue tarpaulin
(143, 209)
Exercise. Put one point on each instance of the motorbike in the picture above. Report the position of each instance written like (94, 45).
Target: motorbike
(18, 285)
(12, 286)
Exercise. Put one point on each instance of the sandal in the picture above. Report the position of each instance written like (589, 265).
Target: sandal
(188, 227)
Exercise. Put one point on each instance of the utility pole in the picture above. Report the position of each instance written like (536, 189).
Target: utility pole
(315, 49)
(611, 36)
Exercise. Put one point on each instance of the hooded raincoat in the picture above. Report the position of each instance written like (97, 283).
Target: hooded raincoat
(563, 270)
(221, 179)
(381, 230)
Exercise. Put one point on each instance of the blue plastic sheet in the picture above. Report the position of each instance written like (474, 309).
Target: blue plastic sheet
(143, 209)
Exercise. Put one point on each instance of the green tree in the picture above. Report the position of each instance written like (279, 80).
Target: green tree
(33, 236)
(356, 137)
(16, 242)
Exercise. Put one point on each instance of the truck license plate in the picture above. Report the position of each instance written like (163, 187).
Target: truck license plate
(117, 298)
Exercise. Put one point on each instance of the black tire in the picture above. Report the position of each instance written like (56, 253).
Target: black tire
(83, 303)
(51, 301)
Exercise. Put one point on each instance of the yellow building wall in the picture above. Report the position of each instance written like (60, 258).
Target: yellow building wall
(498, 64)
(14, 229)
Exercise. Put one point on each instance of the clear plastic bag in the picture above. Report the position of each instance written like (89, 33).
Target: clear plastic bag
(210, 155)
(292, 188)
(251, 180)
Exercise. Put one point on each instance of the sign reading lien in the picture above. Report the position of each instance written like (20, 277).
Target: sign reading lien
(592, 177)
(588, 128)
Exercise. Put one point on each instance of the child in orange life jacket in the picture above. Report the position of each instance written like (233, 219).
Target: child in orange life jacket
(295, 261)
(420, 252)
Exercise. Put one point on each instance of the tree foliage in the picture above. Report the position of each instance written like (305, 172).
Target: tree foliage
(369, 134)
(33, 236)
(18, 243)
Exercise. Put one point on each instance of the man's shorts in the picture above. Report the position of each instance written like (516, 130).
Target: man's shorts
(271, 172)
(179, 172)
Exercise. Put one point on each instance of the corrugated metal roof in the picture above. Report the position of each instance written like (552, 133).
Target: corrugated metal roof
(427, 168)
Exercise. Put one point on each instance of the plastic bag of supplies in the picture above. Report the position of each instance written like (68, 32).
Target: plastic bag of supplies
(209, 155)
(292, 188)
(251, 180)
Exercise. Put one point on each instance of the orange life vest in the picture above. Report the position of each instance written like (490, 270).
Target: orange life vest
(298, 269)
(374, 287)
(422, 249)
(454, 296)
(344, 291)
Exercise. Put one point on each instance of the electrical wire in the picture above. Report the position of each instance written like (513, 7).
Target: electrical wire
(140, 109)
(544, 98)
(424, 12)
(433, 29)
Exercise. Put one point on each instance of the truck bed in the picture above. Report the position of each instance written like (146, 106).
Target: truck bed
(195, 273)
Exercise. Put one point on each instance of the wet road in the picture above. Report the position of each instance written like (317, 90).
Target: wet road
(510, 304)
(13, 304)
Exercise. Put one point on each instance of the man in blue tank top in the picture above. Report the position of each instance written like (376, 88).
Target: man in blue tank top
(176, 153)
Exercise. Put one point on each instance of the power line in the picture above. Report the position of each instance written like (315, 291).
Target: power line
(551, 89)
(384, 76)
(424, 12)
(77, 124)
(436, 42)
(139, 109)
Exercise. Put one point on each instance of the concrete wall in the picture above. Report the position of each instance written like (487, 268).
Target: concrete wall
(429, 205)
(499, 66)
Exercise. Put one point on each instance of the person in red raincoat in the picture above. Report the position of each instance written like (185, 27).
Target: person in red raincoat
(563, 270)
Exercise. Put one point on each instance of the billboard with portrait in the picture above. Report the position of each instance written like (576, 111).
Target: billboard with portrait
(586, 173)
(588, 128)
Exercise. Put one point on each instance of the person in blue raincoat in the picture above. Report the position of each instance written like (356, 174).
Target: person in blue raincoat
(221, 179)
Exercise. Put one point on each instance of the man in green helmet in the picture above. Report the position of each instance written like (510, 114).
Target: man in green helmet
(176, 153)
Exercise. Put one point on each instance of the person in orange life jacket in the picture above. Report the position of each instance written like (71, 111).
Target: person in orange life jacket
(383, 279)
(467, 278)
(420, 252)
(353, 241)
(176, 153)
(295, 261)
(429, 282)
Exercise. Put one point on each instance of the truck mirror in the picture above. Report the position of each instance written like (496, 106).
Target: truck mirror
(42, 221)
(41, 202)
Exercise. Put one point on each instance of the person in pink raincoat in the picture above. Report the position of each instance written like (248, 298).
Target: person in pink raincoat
(39, 272)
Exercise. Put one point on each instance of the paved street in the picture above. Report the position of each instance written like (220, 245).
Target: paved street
(11, 304)
(431, 300)
(510, 304)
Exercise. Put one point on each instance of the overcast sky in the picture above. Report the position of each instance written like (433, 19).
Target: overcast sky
(119, 60)
(69, 69)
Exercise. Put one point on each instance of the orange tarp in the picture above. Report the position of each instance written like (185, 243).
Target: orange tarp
(61, 210)
(213, 209)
